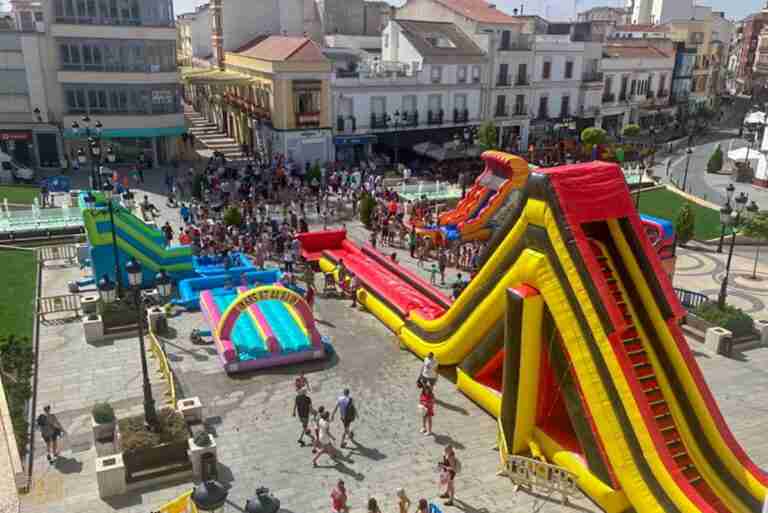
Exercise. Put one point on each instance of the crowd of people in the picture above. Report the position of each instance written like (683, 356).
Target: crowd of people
(315, 424)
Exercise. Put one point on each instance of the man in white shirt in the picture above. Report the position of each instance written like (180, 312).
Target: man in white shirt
(429, 369)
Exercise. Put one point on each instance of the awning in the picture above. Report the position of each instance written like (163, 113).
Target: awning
(217, 77)
(351, 140)
(138, 133)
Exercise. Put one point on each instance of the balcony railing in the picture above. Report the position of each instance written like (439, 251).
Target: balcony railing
(517, 43)
(681, 97)
(502, 111)
(379, 121)
(523, 81)
(663, 93)
(609, 98)
(460, 115)
(409, 118)
(592, 76)
(435, 117)
(346, 123)
(520, 110)
(503, 81)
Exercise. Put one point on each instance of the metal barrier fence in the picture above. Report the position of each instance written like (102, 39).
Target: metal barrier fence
(546, 477)
(165, 369)
(51, 253)
(690, 299)
(57, 304)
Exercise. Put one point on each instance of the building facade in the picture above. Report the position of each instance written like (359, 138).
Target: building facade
(427, 87)
(273, 96)
(636, 87)
(194, 37)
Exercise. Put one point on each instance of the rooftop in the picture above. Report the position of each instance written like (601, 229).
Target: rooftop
(284, 48)
(641, 28)
(633, 52)
(478, 10)
(438, 41)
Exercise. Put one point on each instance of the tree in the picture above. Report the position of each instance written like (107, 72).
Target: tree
(487, 138)
(631, 130)
(593, 136)
(757, 228)
(715, 163)
(367, 204)
(233, 217)
(685, 223)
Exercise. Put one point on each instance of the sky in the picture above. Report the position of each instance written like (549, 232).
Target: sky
(564, 9)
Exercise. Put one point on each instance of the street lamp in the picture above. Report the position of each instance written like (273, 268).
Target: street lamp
(264, 502)
(725, 211)
(135, 276)
(109, 189)
(688, 154)
(111, 157)
(397, 118)
(741, 202)
(209, 495)
(93, 145)
(652, 132)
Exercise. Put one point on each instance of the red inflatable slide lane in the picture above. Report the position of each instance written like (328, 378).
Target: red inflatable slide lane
(384, 281)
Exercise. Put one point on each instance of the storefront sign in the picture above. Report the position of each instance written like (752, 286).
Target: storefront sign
(162, 97)
(15, 136)
(351, 141)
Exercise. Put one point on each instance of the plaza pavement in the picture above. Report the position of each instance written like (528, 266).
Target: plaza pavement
(250, 414)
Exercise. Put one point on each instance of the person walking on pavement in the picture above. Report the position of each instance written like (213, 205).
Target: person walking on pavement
(348, 413)
(403, 502)
(302, 382)
(373, 506)
(339, 497)
(303, 406)
(429, 370)
(449, 467)
(423, 506)
(325, 438)
(51, 430)
(427, 407)
(354, 284)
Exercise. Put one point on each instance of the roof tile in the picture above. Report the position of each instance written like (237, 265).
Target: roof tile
(478, 10)
(284, 48)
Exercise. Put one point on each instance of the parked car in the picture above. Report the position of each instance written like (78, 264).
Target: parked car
(11, 170)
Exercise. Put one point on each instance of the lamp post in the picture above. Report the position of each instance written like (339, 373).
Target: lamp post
(135, 277)
(108, 189)
(741, 202)
(93, 144)
(725, 211)
(688, 154)
(752, 210)
(264, 502)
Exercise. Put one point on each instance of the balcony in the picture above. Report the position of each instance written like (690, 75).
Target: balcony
(609, 98)
(379, 121)
(623, 97)
(520, 110)
(649, 95)
(502, 111)
(460, 115)
(681, 97)
(543, 114)
(523, 81)
(409, 118)
(435, 117)
(517, 43)
(592, 76)
(663, 93)
(307, 119)
(503, 81)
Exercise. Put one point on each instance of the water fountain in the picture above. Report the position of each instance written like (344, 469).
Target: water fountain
(421, 187)
(6, 210)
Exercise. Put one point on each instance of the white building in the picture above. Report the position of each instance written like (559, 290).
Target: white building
(194, 37)
(426, 87)
(116, 67)
(660, 11)
(636, 87)
(507, 41)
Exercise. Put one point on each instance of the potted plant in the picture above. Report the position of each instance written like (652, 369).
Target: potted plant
(103, 421)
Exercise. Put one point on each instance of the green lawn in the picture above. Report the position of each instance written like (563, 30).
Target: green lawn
(17, 294)
(665, 204)
(19, 194)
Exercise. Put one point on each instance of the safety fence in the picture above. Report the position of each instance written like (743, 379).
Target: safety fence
(58, 304)
(540, 476)
(67, 253)
(691, 299)
(158, 353)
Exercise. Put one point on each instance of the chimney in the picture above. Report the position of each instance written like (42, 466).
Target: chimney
(217, 33)
(514, 11)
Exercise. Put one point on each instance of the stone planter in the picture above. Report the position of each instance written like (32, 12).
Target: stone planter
(110, 475)
(90, 304)
(156, 319)
(198, 454)
(761, 326)
(715, 338)
(103, 431)
(93, 327)
(191, 408)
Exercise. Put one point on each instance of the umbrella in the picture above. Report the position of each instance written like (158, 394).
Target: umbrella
(754, 118)
(741, 154)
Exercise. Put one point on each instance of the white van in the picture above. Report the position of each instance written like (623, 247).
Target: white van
(10, 169)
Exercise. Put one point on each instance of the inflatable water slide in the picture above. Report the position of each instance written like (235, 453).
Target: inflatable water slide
(569, 334)
(474, 216)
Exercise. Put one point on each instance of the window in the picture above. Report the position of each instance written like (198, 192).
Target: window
(608, 87)
(436, 73)
(503, 78)
(378, 105)
(475, 74)
(435, 103)
(568, 70)
(460, 102)
(543, 107)
(461, 74)
(522, 74)
(546, 70)
(633, 88)
(565, 106)
(409, 104)
(624, 86)
(505, 40)
(501, 106)
(131, 99)
(520, 105)
(662, 82)
(385, 37)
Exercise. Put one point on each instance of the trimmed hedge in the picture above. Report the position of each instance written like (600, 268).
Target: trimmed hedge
(731, 318)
